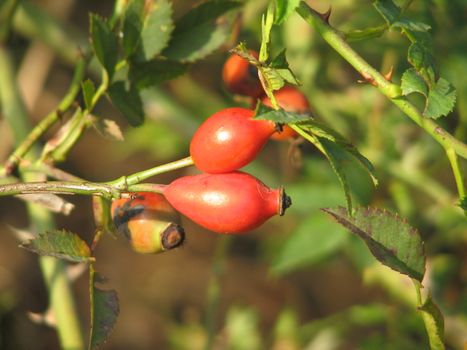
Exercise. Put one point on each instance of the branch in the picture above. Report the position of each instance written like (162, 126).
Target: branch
(390, 90)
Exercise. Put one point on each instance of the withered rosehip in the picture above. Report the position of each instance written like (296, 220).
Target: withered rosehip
(290, 99)
(240, 77)
(148, 221)
(226, 203)
(229, 140)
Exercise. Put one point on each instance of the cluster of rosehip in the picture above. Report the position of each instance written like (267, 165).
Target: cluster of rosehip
(222, 199)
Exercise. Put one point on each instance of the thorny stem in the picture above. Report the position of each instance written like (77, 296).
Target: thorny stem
(49, 120)
(390, 90)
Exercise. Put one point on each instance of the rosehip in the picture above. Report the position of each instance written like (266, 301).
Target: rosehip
(240, 77)
(229, 140)
(226, 203)
(148, 221)
(290, 99)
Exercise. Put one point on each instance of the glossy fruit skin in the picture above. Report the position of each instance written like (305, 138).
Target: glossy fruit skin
(229, 140)
(228, 203)
(148, 221)
(290, 99)
(240, 77)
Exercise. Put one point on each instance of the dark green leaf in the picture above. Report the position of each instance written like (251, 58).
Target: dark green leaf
(279, 116)
(284, 8)
(405, 23)
(200, 31)
(463, 203)
(128, 101)
(441, 99)
(434, 323)
(388, 10)
(104, 44)
(132, 25)
(60, 244)
(412, 82)
(88, 92)
(149, 73)
(104, 311)
(421, 57)
(390, 239)
(314, 240)
(280, 64)
(157, 28)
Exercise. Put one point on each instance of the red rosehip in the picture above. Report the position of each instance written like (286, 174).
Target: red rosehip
(240, 77)
(290, 99)
(226, 203)
(148, 221)
(229, 140)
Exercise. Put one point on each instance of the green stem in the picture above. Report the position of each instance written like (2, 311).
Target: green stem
(452, 156)
(7, 11)
(58, 187)
(390, 90)
(60, 293)
(125, 181)
(49, 120)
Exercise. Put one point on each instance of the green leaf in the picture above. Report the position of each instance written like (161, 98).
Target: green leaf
(390, 239)
(104, 44)
(463, 203)
(132, 25)
(89, 90)
(412, 82)
(421, 57)
(280, 64)
(434, 323)
(441, 99)
(157, 28)
(199, 32)
(60, 244)
(284, 8)
(407, 24)
(156, 71)
(263, 112)
(104, 310)
(267, 21)
(314, 240)
(128, 101)
(388, 10)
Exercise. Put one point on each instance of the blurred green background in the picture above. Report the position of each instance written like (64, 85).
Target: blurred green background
(300, 281)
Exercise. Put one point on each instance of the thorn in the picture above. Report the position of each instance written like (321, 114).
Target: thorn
(47, 318)
(388, 75)
(368, 79)
(325, 15)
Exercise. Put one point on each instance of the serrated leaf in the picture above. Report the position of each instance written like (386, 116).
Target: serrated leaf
(314, 240)
(108, 129)
(388, 10)
(284, 8)
(157, 28)
(272, 79)
(280, 64)
(89, 90)
(128, 101)
(390, 239)
(441, 99)
(412, 82)
(156, 71)
(104, 44)
(200, 32)
(267, 21)
(421, 57)
(434, 323)
(104, 310)
(263, 112)
(61, 244)
(132, 25)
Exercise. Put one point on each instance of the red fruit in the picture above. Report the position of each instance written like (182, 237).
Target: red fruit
(290, 99)
(148, 221)
(229, 140)
(240, 77)
(226, 203)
